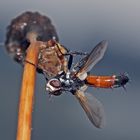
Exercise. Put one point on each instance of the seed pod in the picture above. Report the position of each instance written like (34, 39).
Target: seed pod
(17, 33)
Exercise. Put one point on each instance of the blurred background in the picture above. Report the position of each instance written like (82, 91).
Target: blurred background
(80, 26)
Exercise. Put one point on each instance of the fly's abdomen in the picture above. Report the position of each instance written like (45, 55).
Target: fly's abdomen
(107, 81)
(101, 81)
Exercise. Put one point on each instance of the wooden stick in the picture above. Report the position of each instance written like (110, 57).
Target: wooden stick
(27, 93)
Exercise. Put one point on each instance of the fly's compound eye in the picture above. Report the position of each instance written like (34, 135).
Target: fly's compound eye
(55, 83)
(54, 86)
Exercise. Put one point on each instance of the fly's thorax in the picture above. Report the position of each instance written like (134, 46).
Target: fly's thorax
(70, 82)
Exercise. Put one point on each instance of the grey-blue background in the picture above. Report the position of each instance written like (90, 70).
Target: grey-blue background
(80, 25)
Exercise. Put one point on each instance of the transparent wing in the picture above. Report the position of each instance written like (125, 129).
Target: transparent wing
(92, 107)
(94, 57)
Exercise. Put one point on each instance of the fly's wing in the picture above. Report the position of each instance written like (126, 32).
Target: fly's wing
(94, 57)
(92, 107)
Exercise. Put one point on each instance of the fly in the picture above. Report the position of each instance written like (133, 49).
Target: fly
(77, 80)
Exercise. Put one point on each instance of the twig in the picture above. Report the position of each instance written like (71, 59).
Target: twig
(27, 92)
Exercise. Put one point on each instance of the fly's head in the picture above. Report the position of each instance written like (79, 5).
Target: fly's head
(65, 82)
(54, 87)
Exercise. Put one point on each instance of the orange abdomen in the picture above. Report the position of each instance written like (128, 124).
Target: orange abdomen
(101, 81)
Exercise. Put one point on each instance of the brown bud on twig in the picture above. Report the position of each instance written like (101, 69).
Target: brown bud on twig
(17, 37)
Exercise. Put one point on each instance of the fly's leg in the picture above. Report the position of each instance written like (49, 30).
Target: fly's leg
(78, 53)
(71, 55)
(80, 63)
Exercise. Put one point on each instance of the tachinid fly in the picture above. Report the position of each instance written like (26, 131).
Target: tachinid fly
(77, 79)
